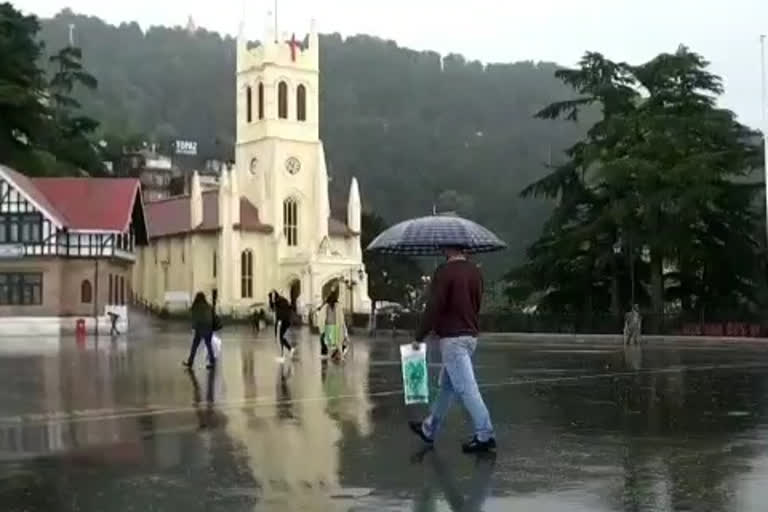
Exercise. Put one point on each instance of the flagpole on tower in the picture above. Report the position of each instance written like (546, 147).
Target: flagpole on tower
(276, 32)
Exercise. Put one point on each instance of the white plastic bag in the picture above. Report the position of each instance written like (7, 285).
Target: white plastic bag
(415, 377)
(216, 344)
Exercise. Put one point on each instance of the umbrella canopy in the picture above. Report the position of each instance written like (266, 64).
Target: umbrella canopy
(428, 236)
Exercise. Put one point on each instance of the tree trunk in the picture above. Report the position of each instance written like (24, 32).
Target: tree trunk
(588, 303)
(657, 287)
(615, 289)
(372, 320)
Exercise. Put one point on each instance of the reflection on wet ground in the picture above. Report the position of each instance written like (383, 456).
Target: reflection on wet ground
(118, 425)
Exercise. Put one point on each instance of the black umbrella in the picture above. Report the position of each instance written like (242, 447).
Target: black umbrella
(428, 236)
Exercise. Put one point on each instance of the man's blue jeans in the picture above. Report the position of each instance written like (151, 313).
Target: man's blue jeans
(457, 380)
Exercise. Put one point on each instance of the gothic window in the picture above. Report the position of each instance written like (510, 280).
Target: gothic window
(122, 291)
(282, 100)
(248, 102)
(86, 294)
(291, 222)
(301, 103)
(246, 274)
(214, 263)
(261, 100)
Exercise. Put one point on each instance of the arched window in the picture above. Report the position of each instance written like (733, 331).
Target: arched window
(282, 100)
(246, 274)
(86, 294)
(291, 222)
(248, 104)
(301, 103)
(261, 100)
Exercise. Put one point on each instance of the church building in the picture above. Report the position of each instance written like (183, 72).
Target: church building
(268, 224)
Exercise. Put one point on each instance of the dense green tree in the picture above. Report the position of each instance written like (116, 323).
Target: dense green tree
(658, 191)
(23, 114)
(72, 141)
(41, 128)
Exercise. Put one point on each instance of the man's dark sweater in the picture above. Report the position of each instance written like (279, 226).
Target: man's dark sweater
(454, 302)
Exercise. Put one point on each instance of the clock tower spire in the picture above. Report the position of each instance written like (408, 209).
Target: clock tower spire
(278, 135)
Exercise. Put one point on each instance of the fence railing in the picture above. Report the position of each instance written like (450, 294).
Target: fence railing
(724, 325)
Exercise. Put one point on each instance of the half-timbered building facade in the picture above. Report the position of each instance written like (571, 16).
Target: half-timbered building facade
(67, 246)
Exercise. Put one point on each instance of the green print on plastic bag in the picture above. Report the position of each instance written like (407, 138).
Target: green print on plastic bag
(415, 374)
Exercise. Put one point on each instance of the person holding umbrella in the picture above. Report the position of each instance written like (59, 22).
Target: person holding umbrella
(452, 313)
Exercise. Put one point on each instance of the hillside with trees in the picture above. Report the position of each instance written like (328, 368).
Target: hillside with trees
(419, 130)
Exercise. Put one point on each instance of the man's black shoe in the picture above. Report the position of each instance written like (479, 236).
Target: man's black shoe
(477, 446)
(417, 429)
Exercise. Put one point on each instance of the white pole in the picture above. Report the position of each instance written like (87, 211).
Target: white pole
(764, 127)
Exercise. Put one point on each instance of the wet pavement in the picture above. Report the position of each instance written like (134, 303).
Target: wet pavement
(117, 425)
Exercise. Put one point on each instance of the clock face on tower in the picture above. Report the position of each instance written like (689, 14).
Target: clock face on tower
(292, 165)
(254, 164)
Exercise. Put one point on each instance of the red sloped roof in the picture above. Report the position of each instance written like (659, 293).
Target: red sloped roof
(91, 203)
(26, 186)
(210, 210)
(249, 218)
(168, 217)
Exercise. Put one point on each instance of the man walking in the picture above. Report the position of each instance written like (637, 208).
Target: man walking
(452, 313)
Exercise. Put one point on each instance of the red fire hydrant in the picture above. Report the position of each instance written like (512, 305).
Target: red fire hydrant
(80, 328)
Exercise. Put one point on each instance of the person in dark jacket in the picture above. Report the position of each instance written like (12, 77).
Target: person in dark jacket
(202, 322)
(283, 315)
(452, 314)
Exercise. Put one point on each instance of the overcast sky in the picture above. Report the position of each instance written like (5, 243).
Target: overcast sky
(725, 31)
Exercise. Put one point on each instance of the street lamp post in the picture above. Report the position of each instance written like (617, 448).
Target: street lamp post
(764, 127)
(350, 283)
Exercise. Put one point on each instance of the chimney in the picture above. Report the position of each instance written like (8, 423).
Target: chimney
(224, 191)
(195, 201)
(323, 211)
(234, 195)
(353, 207)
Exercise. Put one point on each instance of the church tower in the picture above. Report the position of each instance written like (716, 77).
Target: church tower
(280, 160)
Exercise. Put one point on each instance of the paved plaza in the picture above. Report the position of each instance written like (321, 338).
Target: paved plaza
(118, 425)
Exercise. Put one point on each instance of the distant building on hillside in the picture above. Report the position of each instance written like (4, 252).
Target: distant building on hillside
(154, 170)
(67, 249)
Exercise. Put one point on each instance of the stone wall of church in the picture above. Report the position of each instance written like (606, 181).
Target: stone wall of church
(180, 265)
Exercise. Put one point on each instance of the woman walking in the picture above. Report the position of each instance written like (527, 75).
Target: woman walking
(202, 322)
(283, 314)
(334, 332)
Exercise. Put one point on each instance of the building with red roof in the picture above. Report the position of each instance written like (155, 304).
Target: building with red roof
(67, 246)
(267, 225)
